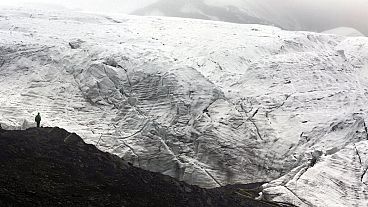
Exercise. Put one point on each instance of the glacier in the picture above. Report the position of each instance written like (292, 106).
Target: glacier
(209, 103)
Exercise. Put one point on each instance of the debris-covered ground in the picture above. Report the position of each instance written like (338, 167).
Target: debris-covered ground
(52, 167)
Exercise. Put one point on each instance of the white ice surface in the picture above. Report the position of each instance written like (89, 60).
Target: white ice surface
(210, 103)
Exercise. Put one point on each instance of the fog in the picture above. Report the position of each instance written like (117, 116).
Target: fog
(326, 14)
(124, 6)
(314, 15)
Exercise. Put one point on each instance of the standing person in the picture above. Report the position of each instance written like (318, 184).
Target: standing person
(38, 119)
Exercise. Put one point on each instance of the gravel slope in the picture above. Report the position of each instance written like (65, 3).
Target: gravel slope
(52, 167)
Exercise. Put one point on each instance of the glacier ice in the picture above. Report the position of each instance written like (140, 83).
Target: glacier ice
(209, 103)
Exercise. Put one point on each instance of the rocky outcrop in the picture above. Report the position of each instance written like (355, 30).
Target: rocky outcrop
(52, 167)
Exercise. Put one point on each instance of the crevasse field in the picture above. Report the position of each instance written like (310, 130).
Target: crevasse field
(209, 103)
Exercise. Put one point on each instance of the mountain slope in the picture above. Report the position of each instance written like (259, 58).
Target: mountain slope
(209, 103)
(52, 167)
(245, 12)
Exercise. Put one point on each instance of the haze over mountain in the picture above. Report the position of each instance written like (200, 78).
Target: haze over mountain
(233, 11)
(344, 31)
(291, 15)
(310, 15)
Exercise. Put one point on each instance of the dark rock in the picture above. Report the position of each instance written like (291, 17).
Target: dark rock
(52, 167)
(73, 139)
(76, 44)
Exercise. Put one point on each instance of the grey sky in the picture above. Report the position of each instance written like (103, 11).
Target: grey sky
(313, 14)
(330, 13)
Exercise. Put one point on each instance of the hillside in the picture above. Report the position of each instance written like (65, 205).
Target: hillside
(52, 167)
(208, 103)
(244, 12)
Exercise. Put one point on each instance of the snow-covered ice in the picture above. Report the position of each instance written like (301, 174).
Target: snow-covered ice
(209, 103)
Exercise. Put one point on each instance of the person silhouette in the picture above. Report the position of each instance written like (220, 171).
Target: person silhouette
(38, 119)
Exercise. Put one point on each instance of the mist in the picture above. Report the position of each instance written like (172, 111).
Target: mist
(122, 6)
(313, 15)
(320, 15)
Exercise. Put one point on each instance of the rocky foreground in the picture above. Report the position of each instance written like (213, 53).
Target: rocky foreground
(52, 167)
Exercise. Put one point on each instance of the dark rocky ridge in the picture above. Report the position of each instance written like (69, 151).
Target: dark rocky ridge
(52, 167)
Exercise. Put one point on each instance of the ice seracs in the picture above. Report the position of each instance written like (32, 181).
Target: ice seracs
(210, 103)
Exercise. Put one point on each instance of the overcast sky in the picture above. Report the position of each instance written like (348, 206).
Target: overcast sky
(320, 14)
(125, 6)
(331, 13)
